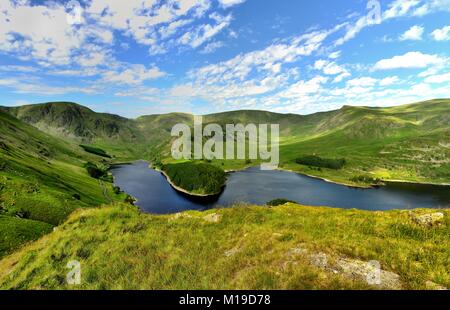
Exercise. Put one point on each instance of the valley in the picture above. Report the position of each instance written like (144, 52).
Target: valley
(56, 187)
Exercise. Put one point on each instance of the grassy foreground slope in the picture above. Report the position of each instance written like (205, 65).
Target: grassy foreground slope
(246, 247)
(409, 142)
(42, 181)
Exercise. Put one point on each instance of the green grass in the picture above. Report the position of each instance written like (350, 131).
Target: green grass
(42, 178)
(197, 178)
(248, 247)
(14, 232)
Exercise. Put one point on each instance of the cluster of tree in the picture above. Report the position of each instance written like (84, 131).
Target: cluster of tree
(366, 179)
(95, 150)
(316, 161)
(196, 177)
(97, 172)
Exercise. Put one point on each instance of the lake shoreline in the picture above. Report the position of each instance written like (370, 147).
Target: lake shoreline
(358, 186)
(159, 193)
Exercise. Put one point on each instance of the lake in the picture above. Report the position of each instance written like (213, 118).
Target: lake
(155, 195)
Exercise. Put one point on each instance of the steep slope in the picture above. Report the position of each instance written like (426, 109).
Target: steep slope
(82, 125)
(75, 121)
(42, 180)
(286, 247)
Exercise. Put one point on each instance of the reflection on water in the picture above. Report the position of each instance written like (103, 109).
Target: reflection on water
(155, 195)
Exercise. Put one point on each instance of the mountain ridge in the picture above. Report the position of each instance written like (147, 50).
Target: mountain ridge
(381, 142)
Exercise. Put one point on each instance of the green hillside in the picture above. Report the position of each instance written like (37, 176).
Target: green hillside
(245, 247)
(409, 142)
(84, 126)
(42, 181)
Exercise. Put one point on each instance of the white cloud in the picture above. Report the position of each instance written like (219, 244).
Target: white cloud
(353, 30)
(414, 33)
(408, 61)
(171, 28)
(391, 80)
(442, 34)
(430, 6)
(438, 79)
(41, 32)
(132, 75)
(18, 68)
(229, 3)
(212, 47)
(331, 68)
(6, 82)
(362, 82)
(341, 77)
(304, 88)
(143, 93)
(397, 8)
(139, 18)
(20, 86)
(320, 64)
(431, 71)
(260, 61)
(400, 8)
(335, 55)
(205, 32)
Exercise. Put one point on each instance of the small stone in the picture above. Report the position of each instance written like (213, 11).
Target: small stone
(428, 220)
(232, 252)
(371, 273)
(319, 260)
(212, 218)
(179, 216)
(297, 251)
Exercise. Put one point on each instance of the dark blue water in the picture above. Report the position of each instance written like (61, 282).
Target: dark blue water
(155, 195)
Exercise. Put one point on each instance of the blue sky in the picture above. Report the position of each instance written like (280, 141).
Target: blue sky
(138, 57)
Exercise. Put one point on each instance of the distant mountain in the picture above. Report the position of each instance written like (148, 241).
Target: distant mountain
(75, 121)
(404, 142)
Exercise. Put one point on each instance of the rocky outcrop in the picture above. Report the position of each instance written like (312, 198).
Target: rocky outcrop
(428, 220)
(369, 272)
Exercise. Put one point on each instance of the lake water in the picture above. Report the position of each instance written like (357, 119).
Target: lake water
(155, 195)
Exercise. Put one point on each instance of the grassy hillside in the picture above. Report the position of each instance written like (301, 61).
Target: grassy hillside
(410, 142)
(80, 124)
(42, 181)
(246, 247)
(401, 143)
